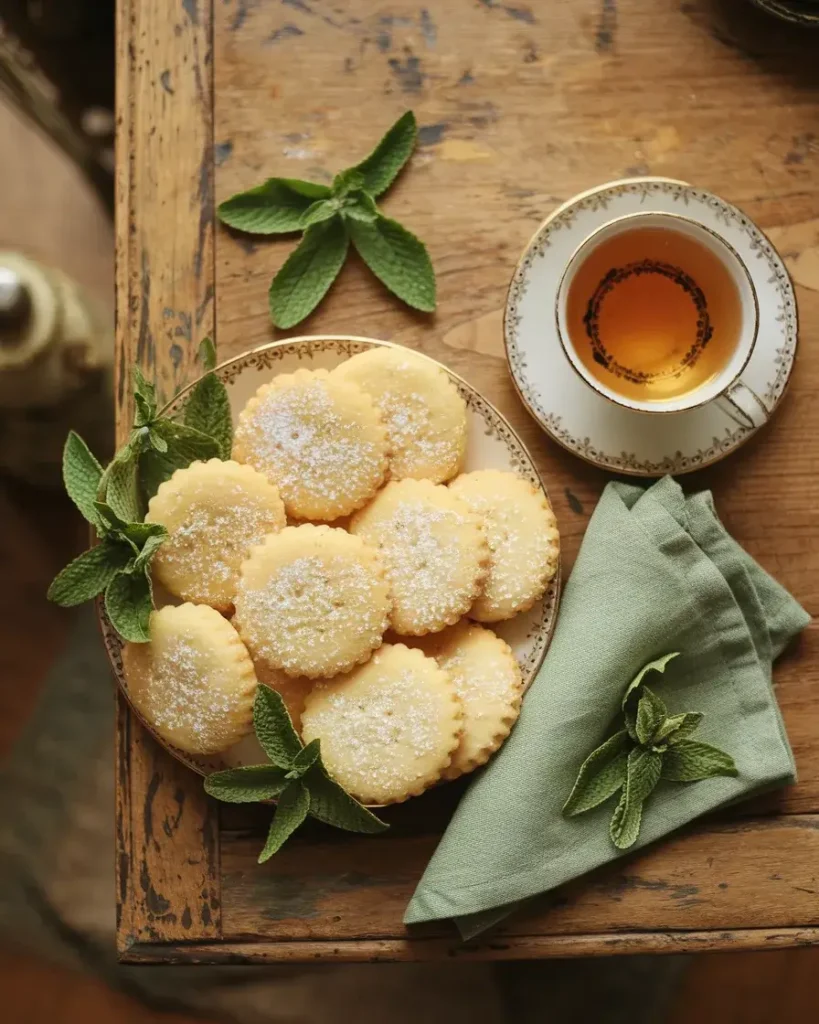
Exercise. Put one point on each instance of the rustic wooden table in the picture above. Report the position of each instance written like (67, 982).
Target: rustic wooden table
(521, 104)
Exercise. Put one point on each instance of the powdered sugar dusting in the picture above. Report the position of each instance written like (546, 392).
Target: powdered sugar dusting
(323, 458)
(315, 615)
(383, 740)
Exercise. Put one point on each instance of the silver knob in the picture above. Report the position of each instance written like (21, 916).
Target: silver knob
(15, 304)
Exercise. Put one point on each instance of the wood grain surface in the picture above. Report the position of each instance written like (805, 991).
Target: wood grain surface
(521, 105)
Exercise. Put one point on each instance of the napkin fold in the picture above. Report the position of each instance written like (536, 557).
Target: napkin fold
(656, 573)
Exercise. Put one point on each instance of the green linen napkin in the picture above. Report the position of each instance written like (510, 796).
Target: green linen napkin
(656, 573)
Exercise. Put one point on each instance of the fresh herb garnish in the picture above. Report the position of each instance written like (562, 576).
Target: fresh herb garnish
(296, 779)
(653, 745)
(331, 217)
(113, 500)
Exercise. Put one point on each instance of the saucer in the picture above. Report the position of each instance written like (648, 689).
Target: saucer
(585, 422)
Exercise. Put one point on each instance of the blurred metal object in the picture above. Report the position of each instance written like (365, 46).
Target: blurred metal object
(56, 351)
(800, 12)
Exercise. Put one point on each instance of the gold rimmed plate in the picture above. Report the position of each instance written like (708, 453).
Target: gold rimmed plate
(492, 444)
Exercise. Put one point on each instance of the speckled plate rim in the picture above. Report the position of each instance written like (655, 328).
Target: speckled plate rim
(808, 19)
(265, 357)
(678, 463)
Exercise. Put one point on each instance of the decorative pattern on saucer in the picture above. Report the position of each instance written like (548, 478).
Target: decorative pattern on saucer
(491, 444)
(588, 424)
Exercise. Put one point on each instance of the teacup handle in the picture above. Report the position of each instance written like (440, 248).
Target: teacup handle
(743, 405)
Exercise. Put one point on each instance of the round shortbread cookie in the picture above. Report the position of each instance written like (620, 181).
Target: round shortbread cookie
(214, 512)
(488, 681)
(194, 681)
(388, 728)
(312, 601)
(424, 415)
(292, 689)
(434, 551)
(524, 545)
(319, 439)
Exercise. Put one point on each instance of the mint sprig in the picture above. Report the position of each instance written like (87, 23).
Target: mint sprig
(113, 500)
(653, 745)
(296, 778)
(332, 217)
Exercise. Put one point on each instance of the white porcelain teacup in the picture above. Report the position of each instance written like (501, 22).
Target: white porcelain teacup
(659, 314)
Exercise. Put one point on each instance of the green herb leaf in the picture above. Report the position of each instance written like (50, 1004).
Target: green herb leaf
(207, 353)
(139, 533)
(291, 811)
(381, 167)
(332, 804)
(273, 727)
(128, 604)
(308, 272)
(144, 398)
(651, 714)
(81, 476)
(208, 411)
(600, 776)
(397, 258)
(149, 549)
(246, 785)
(631, 697)
(274, 208)
(678, 727)
(321, 210)
(185, 445)
(347, 181)
(690, 761)
(89, 574)
(643, 774)
(157, 441)
(122, 488)
(360, 206)
(108, 517)
(305, 758)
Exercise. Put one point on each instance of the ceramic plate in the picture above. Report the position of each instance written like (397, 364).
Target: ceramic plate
(492, 444)
(586, 423)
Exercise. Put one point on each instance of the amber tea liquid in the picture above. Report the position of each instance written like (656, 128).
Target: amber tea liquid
(653, 314)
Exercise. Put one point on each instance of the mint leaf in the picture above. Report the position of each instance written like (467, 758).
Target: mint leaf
(89, 574)
(321, 210)
(207, 353)
(600, 776)
(651, 714)
(381, 167)
(274, 208)
(360, 206)
(690, 761)
(122, 489)
(397, 258)
(185, 445)
(291, 811)
(208, 411)
(246, 785)
(139, 533)
(305, 758)
(81, 476)
(273, 728)
(346, 181)
(632, 696)
(332, 804)
(678, 727)
(157, 441)
(108, 517)
(128, 605)
(149, 548)
(643, 774)
(144, 398)
(308, 272)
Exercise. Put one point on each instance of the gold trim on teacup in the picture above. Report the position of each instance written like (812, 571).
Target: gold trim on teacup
(627, 463)
(496, 422)
(588, 242)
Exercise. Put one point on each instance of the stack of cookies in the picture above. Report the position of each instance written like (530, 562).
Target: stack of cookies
(341, 520)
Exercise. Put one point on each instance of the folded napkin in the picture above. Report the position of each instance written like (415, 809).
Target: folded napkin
(656, 573)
